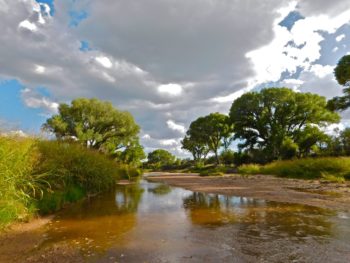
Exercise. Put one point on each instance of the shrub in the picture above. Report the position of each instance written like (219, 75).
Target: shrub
(249, 169)
(69, 164)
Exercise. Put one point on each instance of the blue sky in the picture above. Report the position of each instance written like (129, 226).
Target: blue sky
(167, 62)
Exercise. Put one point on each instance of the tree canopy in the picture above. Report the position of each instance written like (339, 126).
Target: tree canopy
(94, 123)
(208, 133)
(342, 75)
(275, 117)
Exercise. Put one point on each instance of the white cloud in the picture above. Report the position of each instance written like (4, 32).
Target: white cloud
(104, 61)
(28, 25)
(169, 142)
(39, 69)
(321, 71)
(175, 126)
(146, 136)
(340, 37)
(170, 89)
(35, 100)
(294, 49)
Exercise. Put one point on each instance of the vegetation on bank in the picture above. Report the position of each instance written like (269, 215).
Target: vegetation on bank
(38, 176)
(328, 168)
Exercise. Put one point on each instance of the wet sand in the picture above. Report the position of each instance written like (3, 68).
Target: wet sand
(335, 196)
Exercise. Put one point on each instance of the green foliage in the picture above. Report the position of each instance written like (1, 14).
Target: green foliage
(70, 164)
(45, 175)
(55, 200)
(342, 70)
(307, 168)
(249, 169)
(159, 158)
(227, 157)
(342, 75)
(132, 155)
(18, 157)
(208, 133)
(214, 171)
(95, 124)
(195, 146)
(265, 120)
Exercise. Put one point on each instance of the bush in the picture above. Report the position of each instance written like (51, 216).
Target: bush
(70, 164)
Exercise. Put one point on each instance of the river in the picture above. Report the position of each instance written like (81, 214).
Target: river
(153, 222)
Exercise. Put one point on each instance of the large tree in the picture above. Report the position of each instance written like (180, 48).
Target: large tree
(94, 123)
(210, 132)
(266, 120)
(342, 75)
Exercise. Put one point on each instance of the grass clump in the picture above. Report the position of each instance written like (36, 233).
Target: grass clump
(18, 183)
(328, 168)
(249, 169)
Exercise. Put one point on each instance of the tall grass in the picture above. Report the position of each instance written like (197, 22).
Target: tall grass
(42, 176)
(337, 168)
(18, 184)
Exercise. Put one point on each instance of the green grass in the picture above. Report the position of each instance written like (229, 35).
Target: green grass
(42, 176)
(18, 158)
(328, 168)
(249, 169)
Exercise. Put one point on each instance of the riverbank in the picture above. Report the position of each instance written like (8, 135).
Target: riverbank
(317, 193)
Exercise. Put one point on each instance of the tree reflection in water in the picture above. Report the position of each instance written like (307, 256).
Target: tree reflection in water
(98, 224)
(255, 216)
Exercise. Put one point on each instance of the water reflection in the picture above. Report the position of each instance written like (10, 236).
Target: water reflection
(279, 218)
(161, 189)
(97, 224)
(156, 223)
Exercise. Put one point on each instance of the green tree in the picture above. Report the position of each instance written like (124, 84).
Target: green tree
(264, 120)
(160, 157)
(133, 154)
(342, 75)
(345, 141)
(309, 139)
(197, 148)
(94, 123)
(212, 131)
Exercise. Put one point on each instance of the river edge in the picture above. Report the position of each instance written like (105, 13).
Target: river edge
(19, 242)
(318, 193)
(20, 239)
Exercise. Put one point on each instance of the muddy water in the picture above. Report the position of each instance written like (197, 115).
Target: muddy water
(152, 222)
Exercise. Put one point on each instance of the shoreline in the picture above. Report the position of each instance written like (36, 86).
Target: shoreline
(327, 195)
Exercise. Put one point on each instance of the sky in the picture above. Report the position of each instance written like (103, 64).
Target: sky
(166, 61)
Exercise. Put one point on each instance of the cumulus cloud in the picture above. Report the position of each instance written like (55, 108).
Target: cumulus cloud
(176, 127)
(168, 62)
(171, 89)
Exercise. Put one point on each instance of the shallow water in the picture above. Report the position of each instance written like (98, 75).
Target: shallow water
(152, 222)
